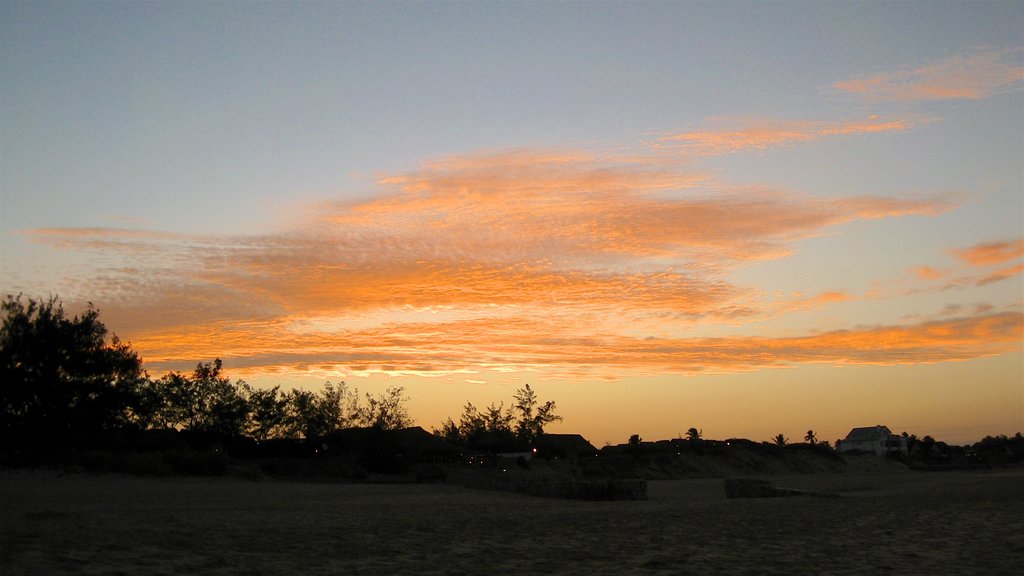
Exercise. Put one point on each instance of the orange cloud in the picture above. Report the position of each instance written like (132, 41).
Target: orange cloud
(813, 302)
(989, 253)
(1002, 274)
(516, 344)
(972, 76)
(424, 284)
(929, 273)
(519, 209)
(455, 265)
(506, 206)
(762, 134)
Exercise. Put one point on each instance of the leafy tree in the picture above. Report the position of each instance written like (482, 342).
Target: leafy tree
(206, 401)
(450, 431)
(386, 411)
(314, 415)
(635, 441)
(60, 378)
(268, 414)
(533, 416)
(810, 437)
(472, 426)
(493, 426)
(780, 440)
(500, 428)
(1001, 449)
(303, 418)
(694, 435)
(927, 445)
(498, 420)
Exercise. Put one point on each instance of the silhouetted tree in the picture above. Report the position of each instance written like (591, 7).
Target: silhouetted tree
(498, 420)
(60, 379)
(268, 414)
(635, 442)
(386, 411)
(468, 431)
(927, 445)
(204, 402)
(911, 442)
(532, 415)
(498, 428)
(314, 415)
(492, 427)
(1000, 449)
(450, 432)
(304, 417)
(780, 440)
(694, 435)
(810, 437)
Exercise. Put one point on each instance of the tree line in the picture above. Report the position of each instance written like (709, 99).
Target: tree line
(500, 429)
(66, 382)
(63, 384)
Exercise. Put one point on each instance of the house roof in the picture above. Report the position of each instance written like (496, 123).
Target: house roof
(414, 439)
(868, 434)
(564, 442)
(417, 439)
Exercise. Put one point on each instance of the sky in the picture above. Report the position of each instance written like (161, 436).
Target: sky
(750, 218)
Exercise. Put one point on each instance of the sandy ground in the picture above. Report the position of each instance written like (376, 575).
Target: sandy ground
(906, 523)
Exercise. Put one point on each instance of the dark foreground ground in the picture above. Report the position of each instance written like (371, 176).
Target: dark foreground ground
(883, 523)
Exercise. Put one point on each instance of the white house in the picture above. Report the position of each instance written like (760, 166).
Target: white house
(878, 439)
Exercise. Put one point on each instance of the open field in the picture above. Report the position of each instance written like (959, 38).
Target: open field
(898, 523)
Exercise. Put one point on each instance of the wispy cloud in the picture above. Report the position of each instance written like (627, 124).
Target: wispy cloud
(801, 302)
(1001, 274)
(929, 273)
(975, 75)
(485, 345)
(730, 135)
(990, 253)
(453, 264)
(100, 238)
(511, 205)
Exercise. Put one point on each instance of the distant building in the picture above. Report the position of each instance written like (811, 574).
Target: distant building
(563, 446)
(877, 439)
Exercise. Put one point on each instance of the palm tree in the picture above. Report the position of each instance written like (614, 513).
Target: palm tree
(780, 440)
(693, 434)
(810, 437)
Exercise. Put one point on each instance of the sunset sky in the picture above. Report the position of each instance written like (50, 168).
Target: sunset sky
(748, 218)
